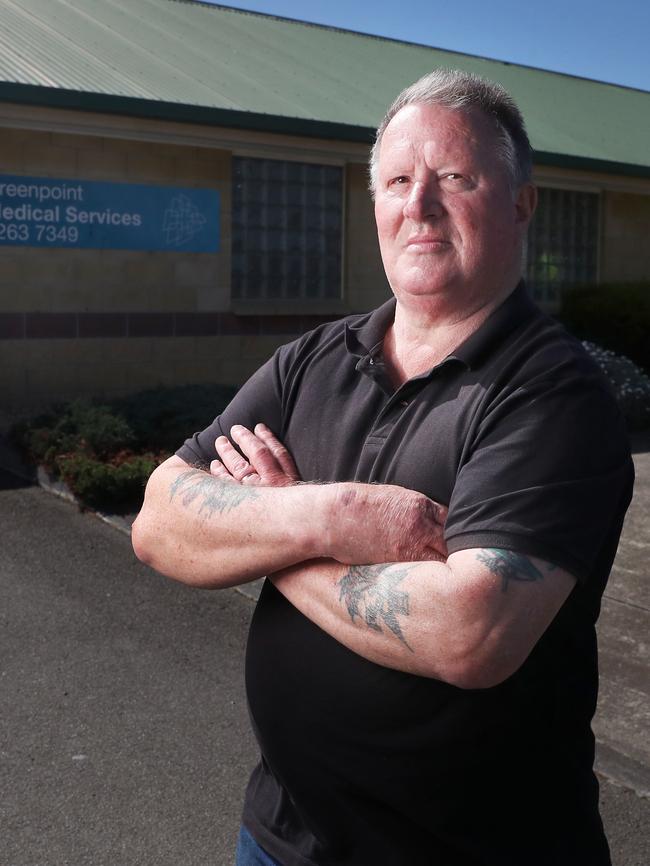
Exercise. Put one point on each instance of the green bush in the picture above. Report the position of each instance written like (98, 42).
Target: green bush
(106, 451)
(78, 426)
(630, 384)
(162, 418)
(616, 316)
(107, 486)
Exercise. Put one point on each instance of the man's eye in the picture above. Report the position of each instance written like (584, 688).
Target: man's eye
(400, 179)
(456, 182)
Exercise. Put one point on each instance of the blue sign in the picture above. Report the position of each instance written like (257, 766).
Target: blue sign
(48, 212)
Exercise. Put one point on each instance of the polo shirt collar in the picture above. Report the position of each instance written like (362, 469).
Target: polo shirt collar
(364, 338)
(517, 308)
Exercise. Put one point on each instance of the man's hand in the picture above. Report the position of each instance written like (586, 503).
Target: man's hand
(269, 463)
(366, 522)
(377, 523)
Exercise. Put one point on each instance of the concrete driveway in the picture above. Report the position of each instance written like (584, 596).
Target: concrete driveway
(622, 723)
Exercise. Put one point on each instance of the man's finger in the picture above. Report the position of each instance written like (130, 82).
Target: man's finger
(436, 532)
(260, 456)
(236, 465)
(278, 450)
(437, 513)
(218, 470)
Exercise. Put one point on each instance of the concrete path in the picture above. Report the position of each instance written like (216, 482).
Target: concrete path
(125, 739)
(622, 723)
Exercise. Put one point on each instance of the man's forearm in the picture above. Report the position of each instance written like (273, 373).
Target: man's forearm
(380, 611)
(470, 621)
(213, 533)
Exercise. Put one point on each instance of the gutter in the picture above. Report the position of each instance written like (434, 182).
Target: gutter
(178, 112)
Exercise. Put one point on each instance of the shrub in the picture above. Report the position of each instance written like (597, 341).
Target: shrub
(616, 316)
(106, 451)
(631, 385)
(162, 418)
(116, 486)
(78, 426)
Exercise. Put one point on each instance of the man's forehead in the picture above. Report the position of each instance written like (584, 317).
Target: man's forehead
(415, 125)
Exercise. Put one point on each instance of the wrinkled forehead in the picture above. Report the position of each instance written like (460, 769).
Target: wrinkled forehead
(437, 128)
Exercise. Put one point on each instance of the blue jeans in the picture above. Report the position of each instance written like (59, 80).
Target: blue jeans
(249, 852)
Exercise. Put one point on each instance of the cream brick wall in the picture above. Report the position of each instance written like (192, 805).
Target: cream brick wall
(365, 282)
(36, 279)
(625, 253)
(101, 165)
(35, 373)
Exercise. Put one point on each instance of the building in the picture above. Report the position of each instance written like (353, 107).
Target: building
(183, 187)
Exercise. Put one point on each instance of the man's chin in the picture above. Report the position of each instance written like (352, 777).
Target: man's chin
(430, 288)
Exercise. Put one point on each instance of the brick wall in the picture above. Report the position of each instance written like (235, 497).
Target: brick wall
(83, 322)
(365, 279)
(92, 322)
(625, 252)
(57, 280)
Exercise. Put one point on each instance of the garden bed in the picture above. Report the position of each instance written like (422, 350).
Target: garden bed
(104, 451)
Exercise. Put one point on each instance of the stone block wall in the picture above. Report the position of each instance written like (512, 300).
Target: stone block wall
(84, 322)
(625, 246)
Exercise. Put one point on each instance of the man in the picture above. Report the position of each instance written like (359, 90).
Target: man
(420, 680)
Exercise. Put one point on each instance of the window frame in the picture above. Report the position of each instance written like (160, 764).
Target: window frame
(553, 183)
(299, 305)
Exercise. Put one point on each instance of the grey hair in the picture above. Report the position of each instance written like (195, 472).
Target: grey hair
(459, 90)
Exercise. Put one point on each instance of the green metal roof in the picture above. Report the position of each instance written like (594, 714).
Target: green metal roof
(196, 62)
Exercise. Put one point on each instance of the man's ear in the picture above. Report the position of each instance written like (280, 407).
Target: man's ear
(525, 203)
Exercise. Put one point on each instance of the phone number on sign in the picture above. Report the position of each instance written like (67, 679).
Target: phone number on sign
(17, 232)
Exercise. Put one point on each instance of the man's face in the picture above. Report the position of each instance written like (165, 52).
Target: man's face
(448, 222)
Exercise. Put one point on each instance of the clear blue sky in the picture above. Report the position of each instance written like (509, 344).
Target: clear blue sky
(608, 40)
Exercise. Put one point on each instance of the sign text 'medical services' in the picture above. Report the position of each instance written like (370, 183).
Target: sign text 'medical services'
(47, 212)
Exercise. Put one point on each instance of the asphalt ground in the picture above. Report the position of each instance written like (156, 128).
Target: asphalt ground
(126, 737)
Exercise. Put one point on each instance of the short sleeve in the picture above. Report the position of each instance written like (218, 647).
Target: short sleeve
(549, 474)
(259, 400)
(269, 396)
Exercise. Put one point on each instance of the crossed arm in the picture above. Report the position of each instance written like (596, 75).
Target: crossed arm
(367, 563)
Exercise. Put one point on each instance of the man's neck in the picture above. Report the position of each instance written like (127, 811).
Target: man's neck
(421, 338)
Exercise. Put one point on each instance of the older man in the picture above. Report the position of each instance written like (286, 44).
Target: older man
(420, 680)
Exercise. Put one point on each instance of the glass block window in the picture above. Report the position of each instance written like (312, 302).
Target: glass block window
(562, 243)
(287, 229)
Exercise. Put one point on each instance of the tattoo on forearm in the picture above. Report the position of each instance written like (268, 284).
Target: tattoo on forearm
(370, 592)
(214, 495)
(510, 566)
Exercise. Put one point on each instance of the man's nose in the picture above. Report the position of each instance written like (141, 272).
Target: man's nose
(424, 201)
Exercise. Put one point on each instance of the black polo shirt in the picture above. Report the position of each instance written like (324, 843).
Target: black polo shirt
(363, 765)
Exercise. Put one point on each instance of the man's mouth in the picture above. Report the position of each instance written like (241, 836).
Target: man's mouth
(422, 243)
